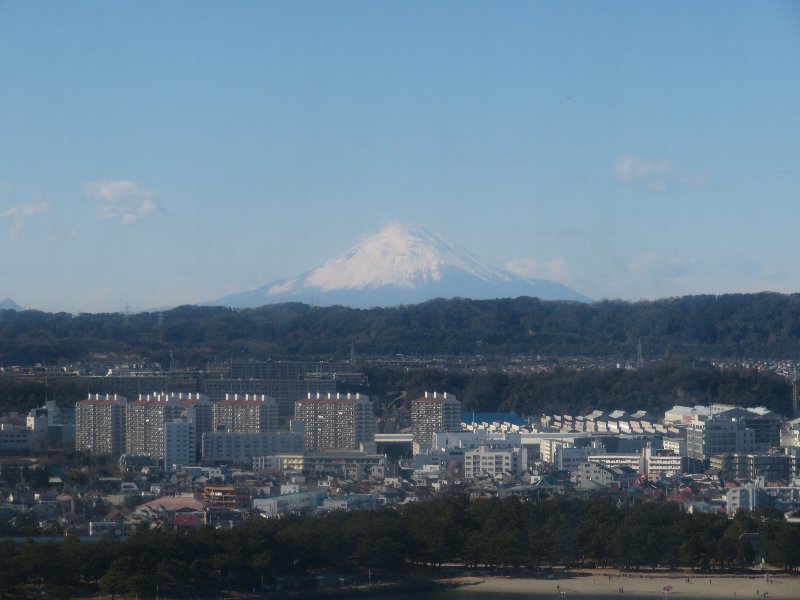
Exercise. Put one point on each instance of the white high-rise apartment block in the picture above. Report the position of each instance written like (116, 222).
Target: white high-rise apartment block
(145, 423)
(100, 424)
(179, 444)
(246, 413)
(336, 420)
(434, 413)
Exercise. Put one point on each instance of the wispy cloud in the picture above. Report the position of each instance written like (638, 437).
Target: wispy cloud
(655, 175)
(652, 174)
(661, 266)
(532, 268)
(19, 214)
(121, 200)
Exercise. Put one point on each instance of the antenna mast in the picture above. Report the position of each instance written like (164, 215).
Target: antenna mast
(639, 354)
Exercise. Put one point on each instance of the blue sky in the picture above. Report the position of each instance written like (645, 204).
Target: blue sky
(161, 153)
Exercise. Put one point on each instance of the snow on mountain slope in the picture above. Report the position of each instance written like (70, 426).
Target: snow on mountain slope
(401, 265)
(399, 256)
(9, 304)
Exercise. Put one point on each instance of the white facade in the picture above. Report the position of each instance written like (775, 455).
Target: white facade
(632, 460)
(100, 424)
(708, 436)
(567, 457)
(245, 414)
(450, 440)
(660, 465)
(336, 421)
(494, 460)
(179, 444)
(289, 503)
(351, 502)
(592, 474)
(675, 445)
(432, 413)
(145, 421)
(241, 448)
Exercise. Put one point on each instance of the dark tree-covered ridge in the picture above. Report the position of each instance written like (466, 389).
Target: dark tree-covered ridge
(735, 325)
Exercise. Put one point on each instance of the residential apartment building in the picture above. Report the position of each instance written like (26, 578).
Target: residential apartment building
(16, 439)
(179, 444)
(301, 502)
(227, 495)
(199, 408)
(755, 495)
(433, 413)
(286, 381)
(592, 475)
(335, 421)
(350, 464)
(247, 413)
(706, 436)
(766, 425)
(145, 421)
(240, 448)
(100, 424)
(749, 467)
(663, 463)
(488, 460)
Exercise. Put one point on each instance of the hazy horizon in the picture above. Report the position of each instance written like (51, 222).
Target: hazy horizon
(158, 154)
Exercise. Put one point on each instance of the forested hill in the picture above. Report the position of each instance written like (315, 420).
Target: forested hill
(736, 325)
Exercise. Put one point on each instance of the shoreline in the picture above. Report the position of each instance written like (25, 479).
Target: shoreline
(583, 583)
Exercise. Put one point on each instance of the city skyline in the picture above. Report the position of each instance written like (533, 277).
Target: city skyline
(163, 154)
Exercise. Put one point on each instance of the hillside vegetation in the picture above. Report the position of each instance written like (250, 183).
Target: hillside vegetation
(756, 325)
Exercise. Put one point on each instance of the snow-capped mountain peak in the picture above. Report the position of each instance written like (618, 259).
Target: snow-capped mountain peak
(399, 255)
(401, 265)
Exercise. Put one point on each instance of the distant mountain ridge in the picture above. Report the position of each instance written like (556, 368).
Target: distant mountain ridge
(9, 304)
(400, 265)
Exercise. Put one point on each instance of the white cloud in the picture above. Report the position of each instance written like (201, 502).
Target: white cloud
(532, 268)
(21, 213)
(628, 168)
(650, 173)
(121, 200)
(657, 175)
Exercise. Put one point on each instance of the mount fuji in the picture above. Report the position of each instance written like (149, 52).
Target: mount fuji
(9, 304)
(400, 265)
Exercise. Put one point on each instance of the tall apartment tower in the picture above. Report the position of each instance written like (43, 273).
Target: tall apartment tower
(434, 412)
(100, 424)
(179, 444)
(336, 420)
(246, 413)
(200, 410)
(145, 421)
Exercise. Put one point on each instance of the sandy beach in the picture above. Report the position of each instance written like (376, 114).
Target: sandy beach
(603, 583)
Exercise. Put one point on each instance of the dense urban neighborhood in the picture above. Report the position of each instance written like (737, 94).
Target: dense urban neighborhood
(258, 443)
(174, 493)
(182, 476)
